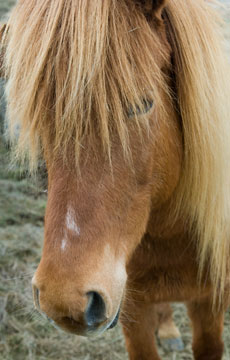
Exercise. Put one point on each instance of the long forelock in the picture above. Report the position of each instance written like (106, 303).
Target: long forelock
(80, 66)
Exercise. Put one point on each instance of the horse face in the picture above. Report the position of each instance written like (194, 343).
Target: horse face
(94, 220)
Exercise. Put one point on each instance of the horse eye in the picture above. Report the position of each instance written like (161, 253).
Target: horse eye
(147, 106)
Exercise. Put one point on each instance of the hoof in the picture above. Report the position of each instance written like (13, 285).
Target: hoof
(173, 344)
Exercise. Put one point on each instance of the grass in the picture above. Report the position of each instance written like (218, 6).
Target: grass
(24, 335)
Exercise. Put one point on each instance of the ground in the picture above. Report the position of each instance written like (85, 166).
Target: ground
(24, 335)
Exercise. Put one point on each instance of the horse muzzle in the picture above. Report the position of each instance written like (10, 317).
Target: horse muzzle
(91, 321)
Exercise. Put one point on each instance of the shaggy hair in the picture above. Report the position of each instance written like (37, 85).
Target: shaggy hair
(75, 73)
(75, 66)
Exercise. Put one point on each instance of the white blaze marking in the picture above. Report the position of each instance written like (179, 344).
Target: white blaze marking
(71, 223)
(63, 244)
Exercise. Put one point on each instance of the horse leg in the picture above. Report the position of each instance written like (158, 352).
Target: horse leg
(207, 330)
(168, 333)
(139, 322)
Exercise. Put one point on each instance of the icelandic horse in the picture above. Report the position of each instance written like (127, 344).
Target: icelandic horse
(128, 102)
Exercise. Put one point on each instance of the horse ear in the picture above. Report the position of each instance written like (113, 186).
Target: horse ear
(3, 30)
(158, 7)
(153, 8)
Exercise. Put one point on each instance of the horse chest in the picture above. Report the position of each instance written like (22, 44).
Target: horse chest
(166, 270)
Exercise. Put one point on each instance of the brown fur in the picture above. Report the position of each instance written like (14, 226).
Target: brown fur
(166, 326)
(138, 207)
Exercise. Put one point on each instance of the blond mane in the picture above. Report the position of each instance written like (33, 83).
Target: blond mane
(75, 73)
(72, 71)
(203, 88)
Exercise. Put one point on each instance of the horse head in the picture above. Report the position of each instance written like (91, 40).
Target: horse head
(97, 212)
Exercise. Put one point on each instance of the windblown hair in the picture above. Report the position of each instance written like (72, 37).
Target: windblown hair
(74, 67)
(203, 88)
(75, 73)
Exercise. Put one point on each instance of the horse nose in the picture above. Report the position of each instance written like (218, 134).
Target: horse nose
(92, 317)
(96, 309)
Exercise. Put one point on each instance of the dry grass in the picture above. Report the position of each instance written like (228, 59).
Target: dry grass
(24, 335)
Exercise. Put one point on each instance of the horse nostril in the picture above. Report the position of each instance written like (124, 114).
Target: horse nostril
(95, 312)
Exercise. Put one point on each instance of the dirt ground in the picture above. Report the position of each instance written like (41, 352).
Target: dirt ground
(24, 335)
